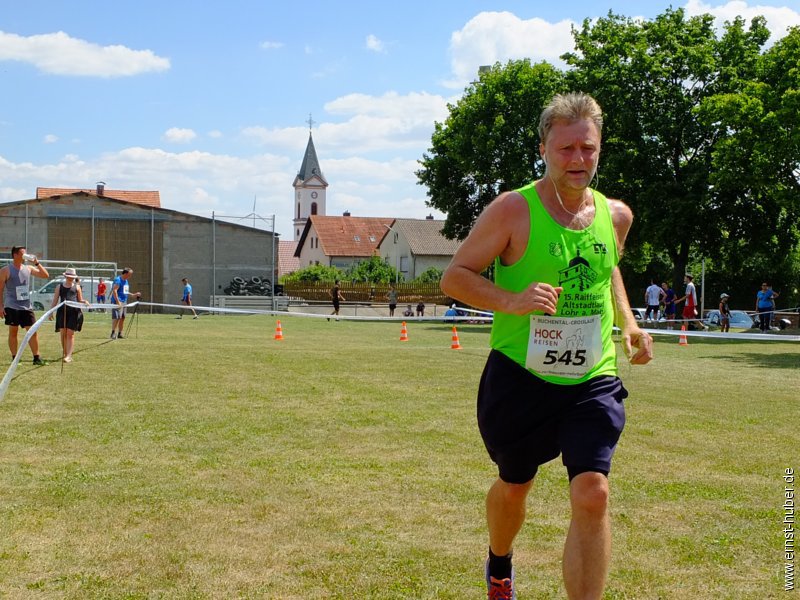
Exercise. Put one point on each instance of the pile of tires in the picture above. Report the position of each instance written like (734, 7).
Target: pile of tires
(255, 286)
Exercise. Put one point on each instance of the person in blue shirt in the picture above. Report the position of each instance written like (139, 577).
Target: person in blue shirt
(120, 291)
(187, 297)
(450, 314)
(765, 304)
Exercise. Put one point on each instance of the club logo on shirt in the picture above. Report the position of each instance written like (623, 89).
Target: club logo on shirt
(556, 249)
(578, 276)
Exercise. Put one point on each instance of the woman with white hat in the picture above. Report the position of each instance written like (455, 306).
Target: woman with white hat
(69, 319)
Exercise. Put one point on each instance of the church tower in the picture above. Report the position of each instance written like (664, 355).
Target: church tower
(309, 188)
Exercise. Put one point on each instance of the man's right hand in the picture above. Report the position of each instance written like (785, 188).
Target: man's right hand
(537, 296)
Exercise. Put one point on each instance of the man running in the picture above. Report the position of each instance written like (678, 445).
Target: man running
(550, 384)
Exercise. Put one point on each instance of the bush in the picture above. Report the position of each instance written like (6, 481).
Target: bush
(313, 273)
(430, 275)
(373, 270)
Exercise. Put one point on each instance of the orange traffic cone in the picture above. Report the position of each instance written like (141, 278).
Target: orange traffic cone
(278, 332)
(683, 341)
(456, 345)
(403, 333)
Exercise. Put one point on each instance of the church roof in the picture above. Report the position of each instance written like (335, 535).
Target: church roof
(146, 198)
(346, 236)
(310, 167)
(424, 237)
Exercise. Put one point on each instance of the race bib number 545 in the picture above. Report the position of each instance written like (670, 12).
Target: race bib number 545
(564, 347)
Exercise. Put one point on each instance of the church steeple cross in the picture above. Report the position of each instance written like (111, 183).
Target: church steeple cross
(310, 122)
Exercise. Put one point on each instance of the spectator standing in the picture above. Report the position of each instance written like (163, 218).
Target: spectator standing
(15, 299)
(652, 298)
(724, 313)
(101, 292)
(69, 319)
(669, 304)
(120, 290)
(420, 309)
(765, 305)
(391, 296)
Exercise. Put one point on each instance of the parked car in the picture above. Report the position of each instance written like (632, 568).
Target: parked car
(739, 319)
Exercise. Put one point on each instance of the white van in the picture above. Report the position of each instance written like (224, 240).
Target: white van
(42, 298)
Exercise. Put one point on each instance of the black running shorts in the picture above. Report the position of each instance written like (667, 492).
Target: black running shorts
(526, 421)
(19, 318)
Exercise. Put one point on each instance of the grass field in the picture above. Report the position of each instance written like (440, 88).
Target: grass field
(203, 459)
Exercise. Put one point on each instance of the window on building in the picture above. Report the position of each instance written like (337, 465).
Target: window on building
(372, 238)
(404, 264)
(298, 210)
(313, 208)
(356, 238)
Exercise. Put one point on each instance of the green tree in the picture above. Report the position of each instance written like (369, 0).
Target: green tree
(671, 90)
(373, 270)
(313, 273)
(489, 142)
(756, 172)
(700, 139)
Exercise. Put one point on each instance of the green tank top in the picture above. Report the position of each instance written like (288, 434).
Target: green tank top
(575, 344)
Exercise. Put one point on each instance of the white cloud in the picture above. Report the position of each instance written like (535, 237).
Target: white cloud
(178, 135)
(50, 138)
(215, 134)
(491, 37)
(779, 18)
(271, 45)
(390, 123)
(374, 44)
(201, 182)
(60, 54)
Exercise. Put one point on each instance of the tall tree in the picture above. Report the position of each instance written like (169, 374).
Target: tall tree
(701, 138)
(686, 127)
(489, 142)
(755, 173)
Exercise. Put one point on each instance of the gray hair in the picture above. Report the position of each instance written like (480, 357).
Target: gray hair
(570, 107)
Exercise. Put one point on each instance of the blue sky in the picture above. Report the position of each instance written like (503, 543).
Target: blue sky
(208, 102)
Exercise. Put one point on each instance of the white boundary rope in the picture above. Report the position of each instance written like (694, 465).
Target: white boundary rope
(769, 337)
(476, 316)
(22, 345)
